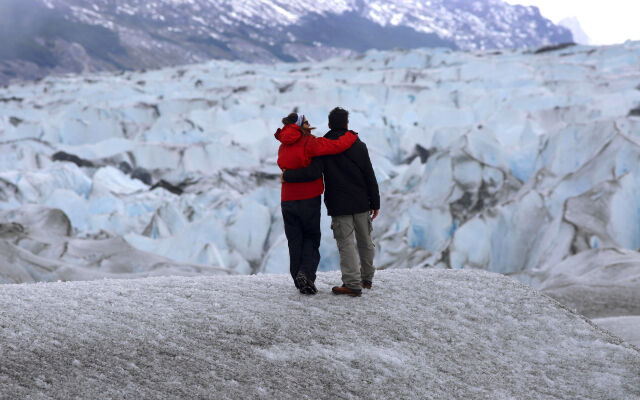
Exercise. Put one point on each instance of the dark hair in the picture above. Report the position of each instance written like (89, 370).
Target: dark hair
(290, 119)
(338, 118)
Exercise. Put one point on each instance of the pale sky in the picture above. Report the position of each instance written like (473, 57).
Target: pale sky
(605, 22)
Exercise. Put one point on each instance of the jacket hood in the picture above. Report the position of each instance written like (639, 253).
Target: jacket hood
(289, 134)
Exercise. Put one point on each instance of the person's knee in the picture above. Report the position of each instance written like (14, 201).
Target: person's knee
(368, 248)
(315, 236)
(344, 244)
(294, 244)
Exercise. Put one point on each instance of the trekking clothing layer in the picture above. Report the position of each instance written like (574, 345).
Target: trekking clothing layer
(351, 185)
(297, 150)
(302, 228)
(354, 272)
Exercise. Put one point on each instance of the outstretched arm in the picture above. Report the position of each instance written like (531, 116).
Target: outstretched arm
(319, 146)
(309, 173)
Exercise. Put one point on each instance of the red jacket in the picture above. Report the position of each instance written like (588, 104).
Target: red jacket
(296, 152)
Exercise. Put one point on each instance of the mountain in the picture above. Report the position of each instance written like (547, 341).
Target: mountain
(417, 334)
(573, 24)
(41, 37)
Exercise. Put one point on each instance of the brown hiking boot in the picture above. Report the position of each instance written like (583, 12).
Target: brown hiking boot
(347, 291)
(366, 284)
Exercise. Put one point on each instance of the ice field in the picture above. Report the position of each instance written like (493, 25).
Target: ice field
(419, 333)
(504, 161)
(521, 163)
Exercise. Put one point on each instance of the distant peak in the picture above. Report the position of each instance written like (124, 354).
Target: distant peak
(573, 24)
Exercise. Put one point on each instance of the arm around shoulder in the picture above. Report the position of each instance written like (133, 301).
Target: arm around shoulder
(319, 146)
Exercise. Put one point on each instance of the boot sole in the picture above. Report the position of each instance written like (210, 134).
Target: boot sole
(352, 294)
(349, 294)
(305, 286)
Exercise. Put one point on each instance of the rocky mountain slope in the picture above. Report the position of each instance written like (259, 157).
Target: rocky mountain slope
(59, 36)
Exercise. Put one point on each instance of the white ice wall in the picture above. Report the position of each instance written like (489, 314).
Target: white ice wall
(513, 138)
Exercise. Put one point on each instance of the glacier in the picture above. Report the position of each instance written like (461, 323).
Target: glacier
(508, 161)
(418, 333)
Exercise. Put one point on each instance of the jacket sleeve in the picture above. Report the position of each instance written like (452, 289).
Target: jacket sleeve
(319, 146)
(309, 173)
(369, 178)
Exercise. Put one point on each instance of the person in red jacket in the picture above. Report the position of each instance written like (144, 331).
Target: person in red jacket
(300, 202)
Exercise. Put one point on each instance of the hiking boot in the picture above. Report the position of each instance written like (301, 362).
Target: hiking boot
(304, 284)
(345, 290)
(311, 286)
(300, 281)
(366, 284)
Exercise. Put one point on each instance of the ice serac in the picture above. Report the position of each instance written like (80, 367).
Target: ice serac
(472, 334)
(37, 246)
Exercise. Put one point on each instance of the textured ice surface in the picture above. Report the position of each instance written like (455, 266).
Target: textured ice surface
(597, 283)
(36, 246)
(627, 328)
(504, 161)
(418, 333)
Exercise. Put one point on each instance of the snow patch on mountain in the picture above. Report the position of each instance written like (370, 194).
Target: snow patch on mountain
(573, 24)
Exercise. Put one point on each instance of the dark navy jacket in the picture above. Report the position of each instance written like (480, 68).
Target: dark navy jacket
(350, 183)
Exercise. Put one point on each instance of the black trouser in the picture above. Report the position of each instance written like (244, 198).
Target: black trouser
(302, 227)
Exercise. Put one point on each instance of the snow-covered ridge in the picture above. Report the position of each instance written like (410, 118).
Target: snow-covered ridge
(486, 24)
(98, 35)
(479, 24)
(429, 334)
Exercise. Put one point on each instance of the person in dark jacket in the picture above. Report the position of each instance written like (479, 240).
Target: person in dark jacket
(301, 201)
(353, 202)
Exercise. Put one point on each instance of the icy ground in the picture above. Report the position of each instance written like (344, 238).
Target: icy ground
(625, 327)
(596, 283)
(601, 284)
(508, 162)
(419, 333)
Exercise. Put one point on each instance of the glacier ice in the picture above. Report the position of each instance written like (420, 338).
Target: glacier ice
(471, 334)
(506, 162)
(597, 283)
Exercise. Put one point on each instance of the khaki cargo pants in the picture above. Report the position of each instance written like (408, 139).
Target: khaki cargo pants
(344, 226)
